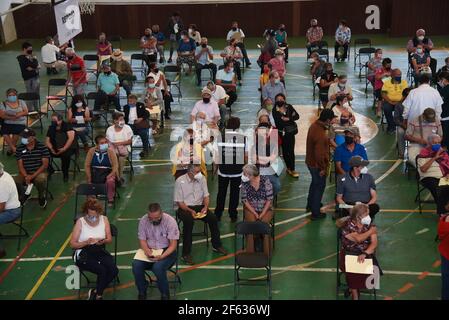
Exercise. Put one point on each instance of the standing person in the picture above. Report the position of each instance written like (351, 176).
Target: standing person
(49, 54)
(281, 38)
(90, 235)
(29, 66)
(342, 39)
(443, 247)
(9, 201)
(77, 71)
(317, 160)
(285, 117)
(237, 34)
(443, 89)
(232, 155)
(174, 28)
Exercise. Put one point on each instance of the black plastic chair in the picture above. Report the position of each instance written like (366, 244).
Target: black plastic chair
(116, 39)
(362, 47)
(420, 188)
(251, 260)
(138, 64)
(33, 98)
(320, 45)
(97, 190)
(101, 113)
(22, 232)
(173, 74)
(54, 97)
(73, 159)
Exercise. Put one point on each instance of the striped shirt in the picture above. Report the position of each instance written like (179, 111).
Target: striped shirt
(32, 159)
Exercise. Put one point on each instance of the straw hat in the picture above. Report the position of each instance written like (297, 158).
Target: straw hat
(117, 55)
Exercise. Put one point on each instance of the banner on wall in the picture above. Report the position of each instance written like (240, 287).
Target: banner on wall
(68, 20)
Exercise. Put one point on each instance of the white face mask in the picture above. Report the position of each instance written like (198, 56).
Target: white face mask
(244, 178)
(79, 104)
(421, 38)
(346, 105)
(198, 176)
(366, 220)
(364, 170)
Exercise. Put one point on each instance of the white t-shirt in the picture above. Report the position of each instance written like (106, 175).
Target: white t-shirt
(132, 115)
(218, 94)
(123, 135)
(210, 109)
(156, 77)
(420, 99)
(8, 192)
(231, 33)
(225, 76)
(48, 53)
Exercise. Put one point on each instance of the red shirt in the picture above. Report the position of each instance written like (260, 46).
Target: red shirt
(77, 76)
(443, 235)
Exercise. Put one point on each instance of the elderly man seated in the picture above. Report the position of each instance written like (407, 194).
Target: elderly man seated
(314, 35)
(419, 130)
(357, 186)
(339, 88)
(220, 96)
(108, 85)
(340, 126)
(433, 166)
(347, 150)
(123, 70)
(419, 39)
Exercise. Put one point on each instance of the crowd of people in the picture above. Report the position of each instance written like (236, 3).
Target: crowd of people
(250, 164)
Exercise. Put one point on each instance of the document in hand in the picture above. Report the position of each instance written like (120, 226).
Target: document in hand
(444, 182)
(140, 255)
(353, 266)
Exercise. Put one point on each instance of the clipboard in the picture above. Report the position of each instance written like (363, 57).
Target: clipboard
(140, 255)
(353, 266)
(444, 182)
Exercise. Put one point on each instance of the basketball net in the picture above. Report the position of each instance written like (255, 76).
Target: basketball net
(87, 7)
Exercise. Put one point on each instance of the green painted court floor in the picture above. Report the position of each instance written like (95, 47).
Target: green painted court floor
(304, 260)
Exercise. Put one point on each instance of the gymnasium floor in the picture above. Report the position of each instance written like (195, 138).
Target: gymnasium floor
(304, 259)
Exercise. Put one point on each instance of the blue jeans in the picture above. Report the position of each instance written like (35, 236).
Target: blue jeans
(8, 216)
(83, 135)
(316, 191)
(444, 278)
(274, 179)
(159, 269)
(388, 111)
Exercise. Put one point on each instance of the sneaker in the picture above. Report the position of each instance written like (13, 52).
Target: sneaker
(142, 297)
(92, 295)
(188, 260)
(318, 217)
(143, 154)
(220, 250)
(43, 203)
(169, 60)
(293, 173)
(248, 65)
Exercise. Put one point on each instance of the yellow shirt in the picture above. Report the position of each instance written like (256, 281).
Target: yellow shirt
(394, 91)
(198, 153)
(264, 78)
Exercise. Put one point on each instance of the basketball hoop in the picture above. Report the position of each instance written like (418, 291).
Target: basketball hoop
(87, 7)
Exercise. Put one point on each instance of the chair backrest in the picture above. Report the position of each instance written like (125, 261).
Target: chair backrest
(221, 67)
(92, 189)
(172, 69)
(91, 95)
(59, 82)
(322, 44)
(137, 56)
(247, 228)
(90, 57)
(29, 96)
(362, 41)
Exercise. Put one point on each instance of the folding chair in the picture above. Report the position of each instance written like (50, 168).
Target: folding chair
(420, 188)
(54, 95)
(138, 64)
(33, 97)
(91, 189)
(73, 159)
(173, 74)
(362, 47)
(92, 284)
(116, 39)
(251, 260)
(173, 271)
(129, 158)
(101, 113)
(323, 53)
(320, 45)
(22, 232)
(208, 77)
(205, 231)
(92, 62)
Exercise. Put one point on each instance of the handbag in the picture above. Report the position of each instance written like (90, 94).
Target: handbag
(144, 124)
(291, 128)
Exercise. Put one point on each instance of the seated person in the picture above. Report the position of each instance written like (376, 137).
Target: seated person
(91, 233)
(278, 64)
(234, 54)
(318, 67)
(338, 128)
(392, 90)
(433, 164)
(356, 186)
(13, 118)
(154, 102)
(194, 34)
(342, 40)
(374, 64)
(218, 94)
(101, 166)
(339, 88)
(108, 85)
(444, 68)
(238, 36)
(342, 105)
(204, 55)
(164, 85)
(328, 78)
(314, 35)
(160, 37)
(137, 117)
(32, 160)
(187, 152)
(400, 124)
(358, 237)
(186, 51)
(148, 43)
(419, 39)
(9, 201)
(122, 68)
(61, 142)
(192, 197)
(79, 116)
(273, 87)
(203, 135)
(226, 78)
(208, 106)
(265, 76)
(104, 48)
(157, 230)
(347, 150)
(421, 63)
(120, 137)
(281, 39)
(256, 192)
(419, 130)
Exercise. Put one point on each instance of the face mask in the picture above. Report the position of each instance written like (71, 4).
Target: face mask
(156, 222)
(436, 147)
(107, 73)
(151, 86)
(234, 28)
(344, 121)
(198, 176)
(70, 57)
(269, 107)
(364, 170)
(231, 70)
(398, 79)
(342, 86)
(78, 104)
(277, 81)
(329, 71)
(92, 219)
(349, 140)
(121, 124)
(379, 56)
(156, 70)
(282, 29)
(366, 220)
(419, 51)
(132, 105)
(244, 178)
(206, 100)
(204, 45)
(30, 51)
(24, 141)
(280, 103)
(421, 38)
(54, 123)
(104, 147)
(12, 98)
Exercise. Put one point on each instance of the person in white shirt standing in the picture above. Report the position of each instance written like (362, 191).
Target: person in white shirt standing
(49, 58)
(9, 201)
(422, 98)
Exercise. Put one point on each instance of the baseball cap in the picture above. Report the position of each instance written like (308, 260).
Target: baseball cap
(206, 91)
(27, 132)
(357, 161)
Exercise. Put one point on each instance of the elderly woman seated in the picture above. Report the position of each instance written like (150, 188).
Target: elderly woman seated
(257, 196)
(358, 238)
(433, 167)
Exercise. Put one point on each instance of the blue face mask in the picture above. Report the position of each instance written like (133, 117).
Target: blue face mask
(92, 219)
(436, 147)
(104, 147)
(12, 99)
(132, 105)
(398, 79)
(24, 141)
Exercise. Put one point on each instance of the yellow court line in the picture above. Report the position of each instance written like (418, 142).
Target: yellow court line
(298, 160)
(47, 270)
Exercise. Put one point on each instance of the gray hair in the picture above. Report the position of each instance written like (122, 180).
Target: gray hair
(431, 137)
(191, 167)
(2, 168)
(70, 50)
(251, 170)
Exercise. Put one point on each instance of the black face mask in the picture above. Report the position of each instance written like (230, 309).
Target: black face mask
(234, 29)
(204, 45)
(349, 140)
(156, 70)
(30, 51)
(282, 29)
(344, 121)
(70, 57)
(147, 34)
(330, 71)
(206, 100)
(54, 123)
(280, 103)
(156, 222)
(107, 73)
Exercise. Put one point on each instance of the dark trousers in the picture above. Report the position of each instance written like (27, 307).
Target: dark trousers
(168, 99)
(102, 264)
(144, 136)
(316, 191)
(438, 193)
(232, 98)
(283, 44)
(127, 85)
(65, 161)
(187, 228)
(159, 269)
(444, 278)
(345, 46)
(288, 150)
(199, 67)
(373, 210)
(241, 45)
(238, 70)
(234, 195)
(104, 99)
(445, 126)
(388, 111)
(150, 58)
